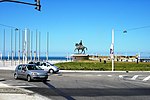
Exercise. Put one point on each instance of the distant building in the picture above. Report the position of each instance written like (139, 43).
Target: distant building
(117, 58)
(144, 59)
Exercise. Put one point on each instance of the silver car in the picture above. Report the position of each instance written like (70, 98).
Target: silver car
(30, 72)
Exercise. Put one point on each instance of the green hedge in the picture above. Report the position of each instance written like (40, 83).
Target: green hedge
(119, 66)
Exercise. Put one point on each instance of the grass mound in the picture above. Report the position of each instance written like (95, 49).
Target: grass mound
(89, 65)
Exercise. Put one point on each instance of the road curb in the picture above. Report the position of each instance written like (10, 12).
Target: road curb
(13, 68)
(2, 79)
(102, 71)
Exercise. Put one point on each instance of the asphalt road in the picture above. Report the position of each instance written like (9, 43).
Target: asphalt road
(86, 86)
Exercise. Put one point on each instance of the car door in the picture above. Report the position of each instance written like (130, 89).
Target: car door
(47, 67)
(44, 66)
(19, 69)
(24, 72)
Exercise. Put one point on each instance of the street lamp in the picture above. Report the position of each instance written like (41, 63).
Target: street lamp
(16, 29)
(112, 44)
(112, 50)
(125, 31)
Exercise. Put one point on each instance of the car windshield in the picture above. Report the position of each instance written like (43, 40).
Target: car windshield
(38, 63)
(50, 64)
(33, 67)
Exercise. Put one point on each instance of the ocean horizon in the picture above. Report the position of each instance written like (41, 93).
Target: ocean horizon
(65, 58)
(42, 58)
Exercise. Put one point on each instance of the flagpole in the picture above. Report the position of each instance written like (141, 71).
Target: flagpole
(112, 49)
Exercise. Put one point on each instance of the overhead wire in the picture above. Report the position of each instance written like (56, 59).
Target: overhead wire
(137, 28)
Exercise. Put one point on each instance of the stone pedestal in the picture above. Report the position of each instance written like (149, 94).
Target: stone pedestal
(77, 57)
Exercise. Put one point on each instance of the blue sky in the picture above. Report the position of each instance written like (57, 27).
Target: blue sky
(69, 21)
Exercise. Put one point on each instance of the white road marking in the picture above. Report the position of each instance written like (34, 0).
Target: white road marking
(134, 77)
(25, 86)
(99, 75)
(147, 78)
(109, 75)
(120, 76)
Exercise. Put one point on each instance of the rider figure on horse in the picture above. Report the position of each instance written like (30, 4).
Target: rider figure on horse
(79, 46)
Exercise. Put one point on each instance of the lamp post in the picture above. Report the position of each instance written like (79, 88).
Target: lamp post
(112, 50)
(12, 27)
(112, 43)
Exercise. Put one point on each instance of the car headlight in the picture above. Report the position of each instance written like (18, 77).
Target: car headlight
(34, 73)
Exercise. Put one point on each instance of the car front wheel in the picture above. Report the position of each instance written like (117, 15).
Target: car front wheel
(15, 76)
(29, 78)
(51, 71)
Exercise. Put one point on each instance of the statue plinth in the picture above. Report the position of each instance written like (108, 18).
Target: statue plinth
(77, 57)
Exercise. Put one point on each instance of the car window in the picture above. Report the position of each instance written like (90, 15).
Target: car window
(38, 63)
(33, 67)
(23, 67)
(50, 64)
(19, 67)
(44, 64)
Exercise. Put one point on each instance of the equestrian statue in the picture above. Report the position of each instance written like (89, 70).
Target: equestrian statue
(81, 49)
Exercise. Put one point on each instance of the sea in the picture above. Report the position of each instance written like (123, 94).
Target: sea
(144, 55)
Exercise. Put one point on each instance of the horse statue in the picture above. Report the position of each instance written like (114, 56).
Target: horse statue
(81, 49)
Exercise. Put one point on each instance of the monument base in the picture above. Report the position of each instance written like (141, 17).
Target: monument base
(77, 57)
